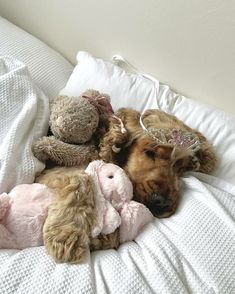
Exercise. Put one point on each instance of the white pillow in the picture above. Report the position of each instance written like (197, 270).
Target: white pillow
(135, 90)
(49, 70)
(125, 89)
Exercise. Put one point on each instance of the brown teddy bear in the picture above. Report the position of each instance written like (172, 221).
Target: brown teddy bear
(75, 123)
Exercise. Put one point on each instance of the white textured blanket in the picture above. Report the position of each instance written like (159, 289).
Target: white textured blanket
(24, 113)
(191, 252)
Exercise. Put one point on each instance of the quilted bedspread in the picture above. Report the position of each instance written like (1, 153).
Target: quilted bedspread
(191, 252)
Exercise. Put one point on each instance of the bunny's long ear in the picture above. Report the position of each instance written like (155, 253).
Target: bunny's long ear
(100, 203)
(124, 187)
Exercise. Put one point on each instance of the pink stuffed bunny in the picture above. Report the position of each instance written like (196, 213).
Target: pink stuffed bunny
(24, 210)
(22, 215)
(114, 206)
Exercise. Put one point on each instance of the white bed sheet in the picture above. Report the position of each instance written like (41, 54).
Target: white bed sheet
(190, 252)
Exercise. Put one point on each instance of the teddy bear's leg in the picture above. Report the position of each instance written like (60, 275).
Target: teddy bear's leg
(71, 216)
(50, 148)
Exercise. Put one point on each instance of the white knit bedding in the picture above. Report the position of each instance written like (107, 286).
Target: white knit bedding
(193, 251)
(24, 116)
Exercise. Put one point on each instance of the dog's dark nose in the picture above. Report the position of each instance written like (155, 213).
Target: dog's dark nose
(158, 203)
(158, 200)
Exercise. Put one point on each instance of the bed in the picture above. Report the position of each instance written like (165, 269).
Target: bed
(193, 251)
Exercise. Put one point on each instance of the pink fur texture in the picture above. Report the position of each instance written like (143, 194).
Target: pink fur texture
(22, 215)
(114, 206)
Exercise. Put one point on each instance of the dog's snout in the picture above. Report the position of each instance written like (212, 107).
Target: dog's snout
(159, 204)
(159, 201)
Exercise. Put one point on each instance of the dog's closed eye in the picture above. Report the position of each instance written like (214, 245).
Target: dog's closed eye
(151, 154)
(178, 164)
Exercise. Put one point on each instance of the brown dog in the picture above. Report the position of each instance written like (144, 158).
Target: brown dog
(154, 166)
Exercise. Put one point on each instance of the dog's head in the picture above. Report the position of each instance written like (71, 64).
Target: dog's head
(153, 168)
(154, 180)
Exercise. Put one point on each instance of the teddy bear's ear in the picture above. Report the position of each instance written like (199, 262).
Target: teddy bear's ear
(91, 93)
(56, 105)
(56, 101)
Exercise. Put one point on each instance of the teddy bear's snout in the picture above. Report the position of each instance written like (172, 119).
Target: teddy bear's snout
(59, 120)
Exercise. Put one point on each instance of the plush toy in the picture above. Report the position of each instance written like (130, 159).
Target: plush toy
(74, 121)
(114, 206)
(22, 215)
(24, 210)
(90, 209)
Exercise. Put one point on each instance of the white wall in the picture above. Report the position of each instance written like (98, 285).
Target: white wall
(188, 44)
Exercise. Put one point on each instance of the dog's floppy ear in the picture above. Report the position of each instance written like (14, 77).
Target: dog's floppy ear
(117, 137)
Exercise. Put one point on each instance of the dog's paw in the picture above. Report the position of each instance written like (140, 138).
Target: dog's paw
(66, 245)
(194, 164)
(190, 163)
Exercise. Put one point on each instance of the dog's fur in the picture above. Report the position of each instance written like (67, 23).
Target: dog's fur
(151, 168)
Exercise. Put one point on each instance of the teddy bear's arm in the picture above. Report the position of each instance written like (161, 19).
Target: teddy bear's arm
(50, 148)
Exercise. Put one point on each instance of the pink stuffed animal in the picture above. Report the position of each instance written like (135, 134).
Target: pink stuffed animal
(114, 206)
(22, 215)
(24, 210)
